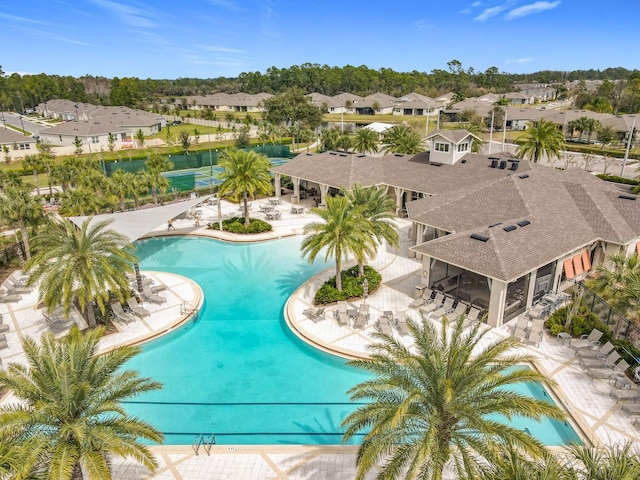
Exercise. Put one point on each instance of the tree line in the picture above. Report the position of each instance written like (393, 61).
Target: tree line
(21, 92)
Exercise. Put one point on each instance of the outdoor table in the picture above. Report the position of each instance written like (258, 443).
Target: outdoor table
(564, 336)
(267, 208)
(275, 201)
(297, 210)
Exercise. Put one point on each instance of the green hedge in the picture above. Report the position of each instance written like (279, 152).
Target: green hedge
(597, 150)
(236, 225)
(617, 179)
(581, 324)
(351, 286)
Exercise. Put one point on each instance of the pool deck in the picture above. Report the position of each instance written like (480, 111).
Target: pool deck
(596, 413)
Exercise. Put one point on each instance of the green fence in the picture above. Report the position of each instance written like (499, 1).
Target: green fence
(196, 160)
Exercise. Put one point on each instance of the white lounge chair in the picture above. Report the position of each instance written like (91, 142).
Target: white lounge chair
(13, 287)
(423, 299)
(361, 320)
(609, 361)
(383, 326)
(461, 309)
(592, 340)
(435, 304)
(445, 308)
(137, 309)
(341, 315)
(121, 315)
(617, 369)
(601, 352)
(314, 314)
(10, 297)
(149, 296)
(401, 323)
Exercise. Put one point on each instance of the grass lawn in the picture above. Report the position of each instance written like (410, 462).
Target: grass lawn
(203, 130)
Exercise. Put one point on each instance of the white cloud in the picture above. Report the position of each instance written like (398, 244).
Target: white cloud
(423, 25)
(531, 9)
(14, 18)
(217, 48)
(227, 4)
(518, 60)
(487, 13)
(129, 15)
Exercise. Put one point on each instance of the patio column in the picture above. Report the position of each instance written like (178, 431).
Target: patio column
(532, 287)
(557, 275)
(399, 192)
(296, 186)
(277, 184)
(496, 302)
(324, 189)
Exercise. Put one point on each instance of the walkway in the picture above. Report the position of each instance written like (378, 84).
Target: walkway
(594, 410)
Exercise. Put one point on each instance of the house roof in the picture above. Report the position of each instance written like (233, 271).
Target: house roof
(454, 136)
(8, 136)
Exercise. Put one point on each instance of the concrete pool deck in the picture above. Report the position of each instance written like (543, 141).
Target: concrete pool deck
(596, 412)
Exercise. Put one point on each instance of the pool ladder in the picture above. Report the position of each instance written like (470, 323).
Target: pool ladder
(203, 440)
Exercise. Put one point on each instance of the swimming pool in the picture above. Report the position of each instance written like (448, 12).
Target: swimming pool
(238, 371)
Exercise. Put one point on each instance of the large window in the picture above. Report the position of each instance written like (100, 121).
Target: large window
(442, 147)
(463, 147)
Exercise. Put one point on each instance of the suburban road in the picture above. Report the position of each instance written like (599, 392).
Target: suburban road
(18, 120)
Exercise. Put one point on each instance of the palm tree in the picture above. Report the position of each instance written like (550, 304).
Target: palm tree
(512, 465)
(20, 210)
(80, 265)
(376, 208)
(592, 125)
(244, 174)
(69, 414)
(435, 404)
(475, 129)
(402, 139)
(140, 137)
(339, 233)
(33, 163)
(330, 138)
(573, 126)
(365, 140)
(543, 139)
(153, 178)
(121, 184)
(621, 462)
(618, 282)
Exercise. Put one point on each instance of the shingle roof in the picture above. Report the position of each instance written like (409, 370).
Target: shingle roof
(8, 136)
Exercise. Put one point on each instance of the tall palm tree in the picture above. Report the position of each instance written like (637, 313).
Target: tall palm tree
(330, 138)
(475, 129)
(402, 139)
(69, 413)
(340, 233)
(19, 209)
(512, 465)
(80, 265)
(435, 404)
(121, 184)
(244, 174)
(621, 462)
(153, 177)
(365, 140)
(543, 139)
(31, 164)
(377, 208)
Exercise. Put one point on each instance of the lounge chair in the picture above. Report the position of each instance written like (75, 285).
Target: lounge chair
(341, 315)
(520, 334)
(625, 393)
(4, 344)
(383, 326)
(121, 314)
(631, 408)
(401, 323)
(535, 335)
(149, 296)
(435, 304)
(472, 317)
(314, 314)
(364, 310)
(19, 279)
(587, 341)
(445, 308)
(161, 287)
(361, 320)
(423, 299)
(146, 282)
(607, 362)
(522, 323)
(617, 369)
(137, 309)
(10, 298)
(460, 310)
(601, 352)
(13, 287)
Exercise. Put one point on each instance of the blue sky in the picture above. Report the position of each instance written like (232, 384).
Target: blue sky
(212, 38)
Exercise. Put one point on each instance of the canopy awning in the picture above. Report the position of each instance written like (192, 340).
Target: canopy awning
(138, 223)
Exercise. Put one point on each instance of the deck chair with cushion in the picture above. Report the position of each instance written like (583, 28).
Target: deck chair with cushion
(314, 314)
(149, 296)
(617, 369)
(423, 299)
(433, 305)
(137, 310)
(607, 362)
(472, 317)
(121, 315)
(601, 352)
(161, 287)
(587, 341)
(401, 323)
(10, 297)
(536, 334)
(631, 408)
(520, 334)
(383, 326)
(13, 287)
(361, 320)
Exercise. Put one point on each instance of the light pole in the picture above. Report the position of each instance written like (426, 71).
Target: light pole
(365, 291)
(22, 123)
(626, 152)
(491, 131)
(76, 107)
(210, 166)
(504, 129)
(426, 129)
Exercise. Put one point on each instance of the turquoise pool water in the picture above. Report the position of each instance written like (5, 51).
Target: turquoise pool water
(238, 372)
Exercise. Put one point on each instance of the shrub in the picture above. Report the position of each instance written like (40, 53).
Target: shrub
(627, 350)
(351, 286)
(581, 324)
(236, 225)
(617, 179)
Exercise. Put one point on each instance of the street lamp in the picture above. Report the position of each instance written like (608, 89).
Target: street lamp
(22, 123)
(210, 166)
(626, 152)
(76, 107)
(365, 291)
